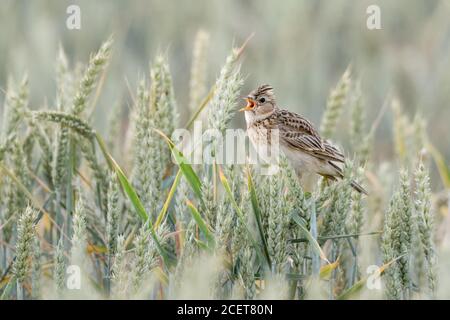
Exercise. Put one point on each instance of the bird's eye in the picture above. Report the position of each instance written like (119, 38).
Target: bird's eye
(262, 100)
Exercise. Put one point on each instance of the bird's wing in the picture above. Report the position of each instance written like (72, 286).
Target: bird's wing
(300, 134)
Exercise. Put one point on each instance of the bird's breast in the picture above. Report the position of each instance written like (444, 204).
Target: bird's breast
(259, 135)
(263, 143)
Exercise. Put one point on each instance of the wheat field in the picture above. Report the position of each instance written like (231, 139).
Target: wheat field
(99, 201)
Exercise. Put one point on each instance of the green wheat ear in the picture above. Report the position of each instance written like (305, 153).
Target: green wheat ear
(59, 270)
(96, 64)
(36, 270)
(113, 214)
(224, 102)
(24, 245)
(148, 167)
(119, 274)
(66, 120)
(335, 105)
(15, 108)
(397, 240)
(79, 238)
(145, 253)
(197, 83)
(424, 220)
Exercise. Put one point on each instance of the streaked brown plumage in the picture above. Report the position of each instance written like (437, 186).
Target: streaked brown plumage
(299, 140)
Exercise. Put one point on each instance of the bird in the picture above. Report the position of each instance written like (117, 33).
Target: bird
(307, 152)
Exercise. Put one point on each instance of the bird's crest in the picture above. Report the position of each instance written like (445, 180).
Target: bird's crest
(263, 89)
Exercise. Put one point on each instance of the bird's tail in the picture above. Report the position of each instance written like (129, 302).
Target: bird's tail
(340, 174)
(358, 187)
(355, 185)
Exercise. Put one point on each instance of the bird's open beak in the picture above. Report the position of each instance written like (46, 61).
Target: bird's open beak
(249, 106)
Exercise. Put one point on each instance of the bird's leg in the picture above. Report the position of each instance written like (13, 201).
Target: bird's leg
(326, 181)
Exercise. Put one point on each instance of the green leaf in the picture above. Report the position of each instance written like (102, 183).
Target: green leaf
(341, 236)
(262, 255)
(126, 185)
(131, 193)
(201, 224)
(314, 244)
(257, 212)
(184, 166)
(133, 197)
(165, 207)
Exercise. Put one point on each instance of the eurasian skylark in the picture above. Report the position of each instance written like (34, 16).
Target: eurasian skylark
(299, 140)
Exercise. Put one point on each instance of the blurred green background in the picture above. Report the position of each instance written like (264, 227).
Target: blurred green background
(300, 47)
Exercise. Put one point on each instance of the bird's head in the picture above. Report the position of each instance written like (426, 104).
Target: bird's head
(260, 102)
